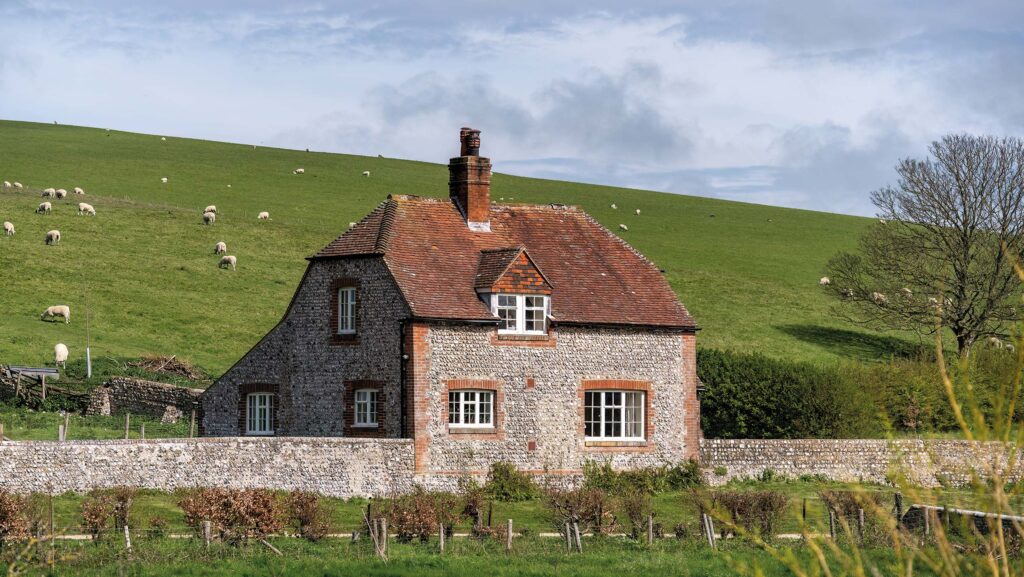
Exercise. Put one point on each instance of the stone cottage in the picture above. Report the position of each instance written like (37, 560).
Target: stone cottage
(481, 331)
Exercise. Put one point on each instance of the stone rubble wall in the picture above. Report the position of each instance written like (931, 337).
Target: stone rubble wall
(139, 397)
(927, 463)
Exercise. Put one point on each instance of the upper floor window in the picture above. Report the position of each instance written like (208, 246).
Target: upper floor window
(614, 415)
(467, 408)
(259, 414)
(347, 310)
(523, 314)
(366, 408)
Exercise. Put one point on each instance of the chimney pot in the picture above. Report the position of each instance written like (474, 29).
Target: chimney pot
(470, 141)
(469, 182)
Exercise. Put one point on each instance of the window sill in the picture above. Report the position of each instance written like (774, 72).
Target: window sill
(471, 430)
(369, 427)
(638, 443)
(523, 340)
(270, 434)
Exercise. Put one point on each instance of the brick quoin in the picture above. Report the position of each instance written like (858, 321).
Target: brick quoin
(691, 403)
(417, 384)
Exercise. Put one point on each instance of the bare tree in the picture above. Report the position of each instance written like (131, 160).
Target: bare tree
(944, 246)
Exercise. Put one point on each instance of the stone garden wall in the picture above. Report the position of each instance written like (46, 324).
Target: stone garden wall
(139, 397)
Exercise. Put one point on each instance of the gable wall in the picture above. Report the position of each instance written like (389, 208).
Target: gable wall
(309, 366)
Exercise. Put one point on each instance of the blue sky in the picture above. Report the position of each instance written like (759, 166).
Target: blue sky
(805, 103)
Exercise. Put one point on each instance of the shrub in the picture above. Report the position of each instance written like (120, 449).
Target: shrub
(420, 514)
(14, 518)
(506, 483)
(236, 514)
(587, 506)
(311, 517)
(721, 471)
(97, 511)
(122, 498)
(651, 480)
(684, 475)
(474, 498)
(756, 512)
(157, 527)
(636, 504)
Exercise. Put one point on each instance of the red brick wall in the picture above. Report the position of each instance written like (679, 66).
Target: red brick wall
(417, 382)
(691, 404)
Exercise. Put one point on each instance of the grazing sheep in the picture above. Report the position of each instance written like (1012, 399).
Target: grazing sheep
(614, 207)
(57, 311)
(18, 185)
(907, 293)
(263, 215)
(229, 186)
(209, 217)
(638, 212)
(996, 342)
(8, 228)
(825, 281)
(934, 303)
(623, 227)
(881, 221)
(86, 208)
(210, 208)
(220, 248)
(366, 173)
(846, 292)
(1010, 347)
(351, 224)
(879, 298)
(44, 207)
(7, 184)
(49, 192)
(60, 193)
(163, 179)
(163, 138)
(60, 355)
(228, 261)
(297, 170)
(53, 237)
(79, 190)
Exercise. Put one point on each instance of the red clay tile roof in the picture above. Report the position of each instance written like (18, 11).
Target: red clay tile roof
(596, 277)
(493, 264)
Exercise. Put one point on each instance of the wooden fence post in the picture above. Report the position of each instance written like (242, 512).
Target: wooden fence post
(127, 424)
(1, 432)
(127, 538)
(142, 431)
(568, 538)
(207, 533)
(860, 523)
(650, 529)
(60, 433)
(440, 536)
(803, 512)
(192, 425)
(67, 424)
(384, 533)
(508, 537)
(579, 541)
(927, 522)
(898, 506)
(43, 380)
(832, 524)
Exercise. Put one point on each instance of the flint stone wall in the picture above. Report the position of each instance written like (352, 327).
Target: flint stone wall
(928, 463)
(139, 397)
(334, 467)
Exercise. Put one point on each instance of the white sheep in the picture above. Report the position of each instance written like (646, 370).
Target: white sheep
(297, 170)
(846, 292)
(351, 224)
(60, 355)
(220, 248)
(209, 217)
(163, 179)
(60, 193)
(86, 208)
(44, 207)
(825, 281)
(79, 190)
(623, 227)
(18, 185)
(881, 221)
(8, 228)
(879, 298)
(228, 261)
(210, 208)
(614, 206)
(638, 212)
(366, 173)
(163, 138)
(996, 342)
(263, 215)
(53, 237)
(906, 293)
(49, 192)
(57, 311)
(1010, 347)
(7, 184)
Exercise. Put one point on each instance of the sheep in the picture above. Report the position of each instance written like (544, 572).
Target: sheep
(297, 170)
(228, 260)
(209, 217)
(53, 237)
(351, 224)
(163, 138)
(638, 212)
(846, 292)
(7, 184)
(49, 192)
(57, 311)
(879, 298)
(614, 207)
(18, 185)
(996, 342)
(44, 207)
(8, 228)
(881, 221)
(210, 208)
(86, 208)
(79, 190)
(163, 179)
(220, 248)
(623, 227)
(1010, 347)
(906, 293)
(263, 215)
(825, 281)
(366, 173)
(60, 355)
(60, 193)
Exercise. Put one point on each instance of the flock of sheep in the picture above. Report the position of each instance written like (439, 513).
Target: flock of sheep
(622, 226)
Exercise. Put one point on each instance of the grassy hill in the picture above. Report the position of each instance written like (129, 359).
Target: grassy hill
(144, 266)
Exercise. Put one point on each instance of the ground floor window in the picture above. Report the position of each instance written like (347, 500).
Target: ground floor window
(366, 408)
(259, 414)
(468, 408)
(614, 415)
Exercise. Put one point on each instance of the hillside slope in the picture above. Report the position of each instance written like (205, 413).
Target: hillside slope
(145, 268)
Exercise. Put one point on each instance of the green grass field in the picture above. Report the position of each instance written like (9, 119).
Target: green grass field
(145, 271)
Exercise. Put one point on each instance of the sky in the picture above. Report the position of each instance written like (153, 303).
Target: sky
(802, 103)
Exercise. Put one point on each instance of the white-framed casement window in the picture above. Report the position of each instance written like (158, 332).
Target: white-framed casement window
(259, 414)
(469, 408)
(366, 408)
(521, 314)
(614, 415)
(347, 310)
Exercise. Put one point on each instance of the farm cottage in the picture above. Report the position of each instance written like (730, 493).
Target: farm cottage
(481, 331)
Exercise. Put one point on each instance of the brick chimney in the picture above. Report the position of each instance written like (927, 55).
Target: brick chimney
(469, 182)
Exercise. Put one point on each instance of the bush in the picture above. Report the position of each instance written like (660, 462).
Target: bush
(14, 518)
(508, 484)
(650, 480)
(97, 511)
(757, 512)
(590, 507)
(157, 527)
(122, 498)
(311, 517)
(420, 514)
(237, 515)
(636, 504)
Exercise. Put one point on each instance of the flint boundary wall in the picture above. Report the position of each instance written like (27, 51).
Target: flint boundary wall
(139, 397)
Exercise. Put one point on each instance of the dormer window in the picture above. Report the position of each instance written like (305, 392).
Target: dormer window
(521, 314)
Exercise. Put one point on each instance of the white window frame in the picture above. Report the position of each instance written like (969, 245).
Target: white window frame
(370, 399)
(255, 423)
(606, 404)
(520, 313)
(457, 417)
(346, 310)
